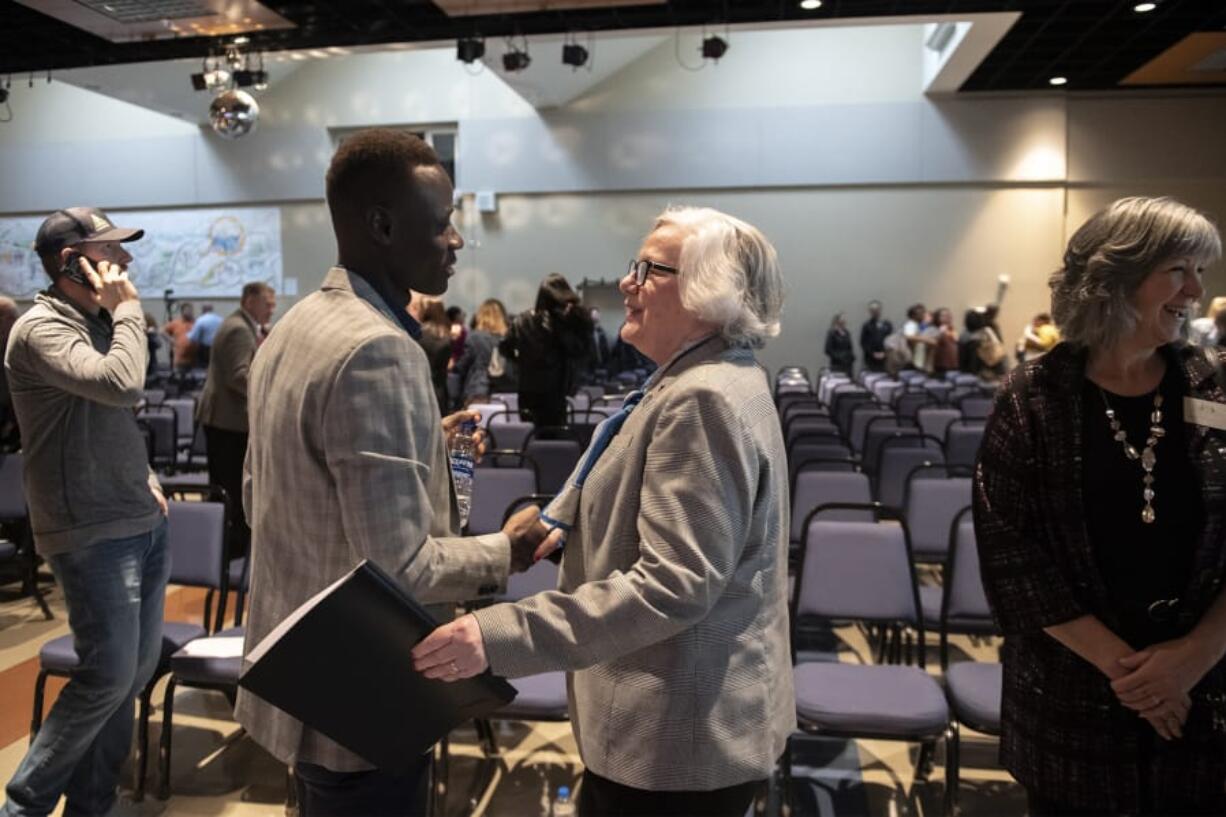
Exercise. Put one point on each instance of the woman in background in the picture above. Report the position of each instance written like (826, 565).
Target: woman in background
(483, 370)
(838, 346)
(435, 340)
(549, 345)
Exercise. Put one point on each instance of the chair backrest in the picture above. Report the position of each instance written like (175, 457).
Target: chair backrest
(580, 400)
(12, 489)
(847, 398)
(858, 571)
(965, 598)
(976, 406)
(898, 457)
(796, 410)
(540, 577)
(907, 403)
(805, 425)
(962, 441)
(886, 390)
(860, 417)
(185, 414)
(487, 410)
(508, 430)
(786, 401)
(933, 420)
(162, 423)
(933, 496)
(196, 539)
(939, 390)
(493, 490)
(877, 431)
(813, 489)
(555, 459)
(508, 399)
(828, 383)
(868, 379)
(819, 456)
(912, 376)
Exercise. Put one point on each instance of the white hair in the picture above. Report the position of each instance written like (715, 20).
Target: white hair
(728, 274)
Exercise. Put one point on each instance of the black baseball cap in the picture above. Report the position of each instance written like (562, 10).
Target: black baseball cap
(63, 228)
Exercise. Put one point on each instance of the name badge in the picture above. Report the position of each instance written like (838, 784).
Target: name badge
(1205, 413)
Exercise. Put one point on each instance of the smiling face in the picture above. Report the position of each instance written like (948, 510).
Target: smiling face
(1165, 300)
(656, 322)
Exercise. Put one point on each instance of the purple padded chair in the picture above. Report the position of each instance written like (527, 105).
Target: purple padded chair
(508, 430)
(962, 441)
(14, 514)
(862, 416)
(493, 490)
(896, 459)
(933, 495)
(973, 688)
(555, 459)
(934, 420)
(862, 571)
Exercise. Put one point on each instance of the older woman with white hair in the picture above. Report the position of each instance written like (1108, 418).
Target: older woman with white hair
(671, 610)
(1100, 511)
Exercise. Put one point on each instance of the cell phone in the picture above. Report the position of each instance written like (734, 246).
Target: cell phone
(73, 270)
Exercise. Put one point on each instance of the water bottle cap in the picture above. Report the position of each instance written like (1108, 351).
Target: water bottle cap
(563, 791)
(468, 427)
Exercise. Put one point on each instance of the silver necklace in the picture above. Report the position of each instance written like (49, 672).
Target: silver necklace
(1146, 456)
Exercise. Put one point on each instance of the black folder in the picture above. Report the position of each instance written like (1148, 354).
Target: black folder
(341, 665)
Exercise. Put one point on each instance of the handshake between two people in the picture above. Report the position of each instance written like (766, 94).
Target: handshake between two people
(456, 650)
(531, 539)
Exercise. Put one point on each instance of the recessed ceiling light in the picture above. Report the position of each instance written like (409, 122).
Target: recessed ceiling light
(1058, 81)
(1142, 8)
(810, 5)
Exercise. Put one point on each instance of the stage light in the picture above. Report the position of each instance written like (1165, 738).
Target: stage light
(574, 55)
(1144, 8)
(810, 5)
(516, 60)
(469, 50)
(714, 47)
(1058, 81)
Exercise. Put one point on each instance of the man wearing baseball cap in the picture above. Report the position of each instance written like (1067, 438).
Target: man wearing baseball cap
(76, 367)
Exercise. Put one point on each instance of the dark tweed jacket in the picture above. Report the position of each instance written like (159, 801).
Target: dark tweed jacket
(1065, 736)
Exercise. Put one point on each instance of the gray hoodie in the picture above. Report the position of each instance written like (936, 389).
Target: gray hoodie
(75, 380)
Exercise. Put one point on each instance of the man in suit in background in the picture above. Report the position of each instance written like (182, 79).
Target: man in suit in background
(347, 459)
(872, 338)
(223, 406)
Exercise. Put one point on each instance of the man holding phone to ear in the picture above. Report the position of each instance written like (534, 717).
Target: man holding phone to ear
(76, 366)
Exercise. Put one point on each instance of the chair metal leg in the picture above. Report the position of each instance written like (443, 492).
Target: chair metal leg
(239, 603)
(924, 761)
(291, 791)
(40, 688)
(208, 612)
(953, 768)
(168, 707)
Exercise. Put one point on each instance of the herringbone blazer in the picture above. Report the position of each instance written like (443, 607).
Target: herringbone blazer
(346, 461)
(671, 611)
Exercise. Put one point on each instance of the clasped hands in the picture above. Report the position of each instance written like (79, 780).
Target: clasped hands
(457, 650)
(1158, 681)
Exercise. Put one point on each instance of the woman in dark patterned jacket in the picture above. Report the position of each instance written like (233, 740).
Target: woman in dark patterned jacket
(1100, 510)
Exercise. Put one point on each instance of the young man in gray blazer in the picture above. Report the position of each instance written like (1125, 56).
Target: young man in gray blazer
(346, 459)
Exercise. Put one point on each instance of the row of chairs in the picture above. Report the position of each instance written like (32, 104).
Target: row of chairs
(863, 571)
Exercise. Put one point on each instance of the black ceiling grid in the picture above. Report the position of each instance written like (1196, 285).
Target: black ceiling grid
(1095, 43)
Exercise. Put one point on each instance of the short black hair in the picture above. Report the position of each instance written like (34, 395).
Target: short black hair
(368, 160)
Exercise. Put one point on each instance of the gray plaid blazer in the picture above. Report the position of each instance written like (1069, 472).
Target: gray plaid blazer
(346, 461)
(671, 613)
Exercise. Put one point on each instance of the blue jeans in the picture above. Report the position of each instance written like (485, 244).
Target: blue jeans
(115, 591)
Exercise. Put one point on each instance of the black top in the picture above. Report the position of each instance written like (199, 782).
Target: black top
(872, 336)
(1141, 563)
(838, 349)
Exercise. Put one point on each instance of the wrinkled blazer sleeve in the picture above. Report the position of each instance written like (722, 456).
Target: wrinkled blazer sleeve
(379, 432)
(694, 513)
(1025, 585)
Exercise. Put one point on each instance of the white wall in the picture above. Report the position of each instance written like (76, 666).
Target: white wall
(822, 138)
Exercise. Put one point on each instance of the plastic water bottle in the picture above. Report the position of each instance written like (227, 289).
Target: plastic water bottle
(462, 451)
(563, 806)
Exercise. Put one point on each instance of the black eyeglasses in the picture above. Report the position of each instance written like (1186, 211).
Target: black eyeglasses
(641, 269)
